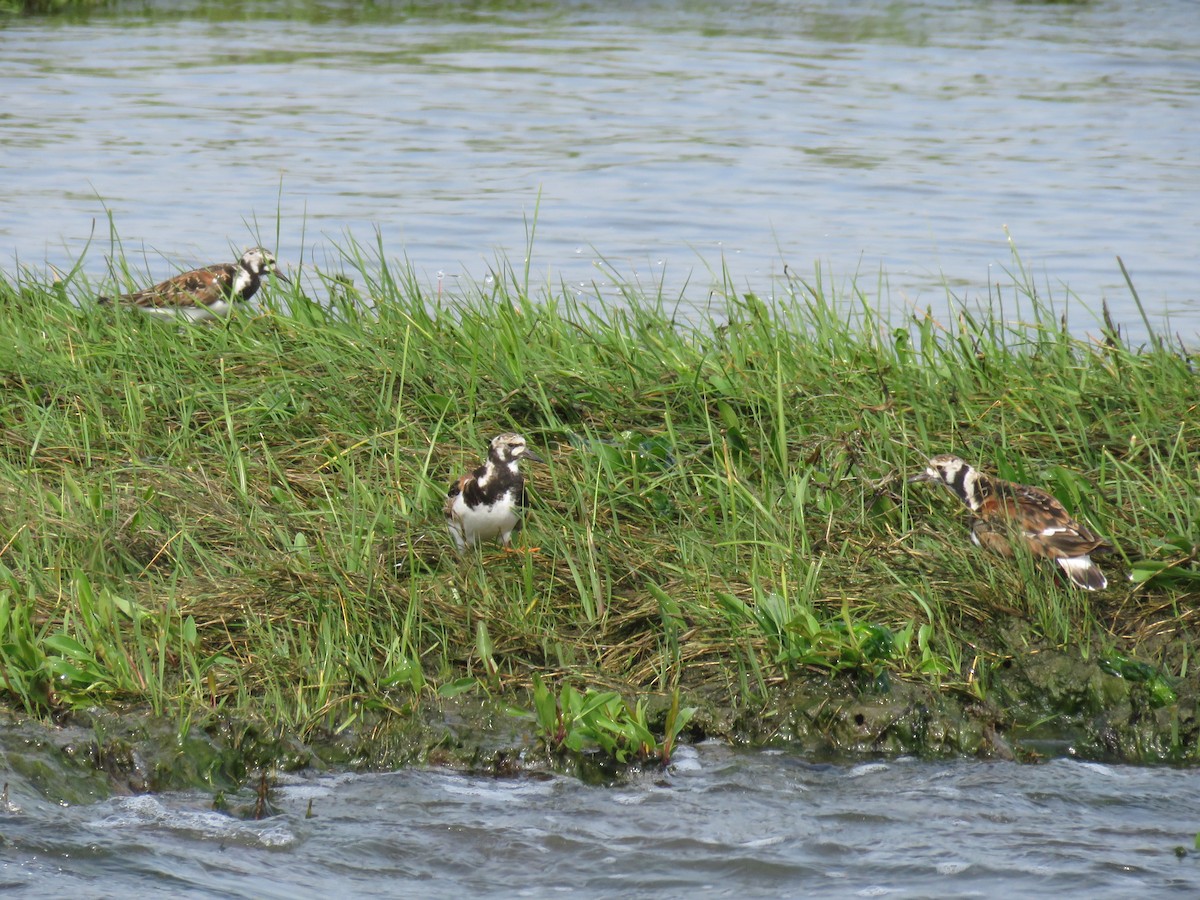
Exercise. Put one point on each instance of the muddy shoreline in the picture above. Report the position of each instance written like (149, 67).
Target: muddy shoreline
(1044, 706)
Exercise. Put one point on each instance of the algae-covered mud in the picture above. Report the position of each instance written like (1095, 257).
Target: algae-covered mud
(223, 551)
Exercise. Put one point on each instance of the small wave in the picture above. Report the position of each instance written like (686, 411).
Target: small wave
(143, 811)
(685, 759)
(867, 769)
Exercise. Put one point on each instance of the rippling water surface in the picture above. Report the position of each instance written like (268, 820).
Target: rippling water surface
(723, 824)
(659, 142)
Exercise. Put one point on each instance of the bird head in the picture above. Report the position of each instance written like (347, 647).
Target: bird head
(945, 467)
(509, 447)
(258, 261)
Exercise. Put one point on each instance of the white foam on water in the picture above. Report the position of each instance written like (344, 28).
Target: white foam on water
(151, 812)
(867, 769)
(685, 759)
(952, 868)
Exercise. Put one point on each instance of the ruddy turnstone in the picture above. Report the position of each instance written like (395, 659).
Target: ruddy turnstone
(483, 506)
(1003, 509)
(205, 293)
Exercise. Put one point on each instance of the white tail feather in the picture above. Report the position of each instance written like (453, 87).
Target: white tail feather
(1084, 573)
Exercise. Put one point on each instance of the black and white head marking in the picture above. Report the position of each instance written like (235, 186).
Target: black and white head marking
(253, 264)
(957, 474)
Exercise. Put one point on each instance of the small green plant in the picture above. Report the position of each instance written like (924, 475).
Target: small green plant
(1176, 569)
(801, 639)
(24, 670)
(926, 660)
(100, 652)
(677, 719)
(577, 722)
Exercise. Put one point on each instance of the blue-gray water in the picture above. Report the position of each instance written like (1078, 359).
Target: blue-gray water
(723, 824)
(666, 140)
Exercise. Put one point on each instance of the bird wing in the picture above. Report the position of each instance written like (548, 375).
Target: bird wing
(1046, 523)
(199, 287)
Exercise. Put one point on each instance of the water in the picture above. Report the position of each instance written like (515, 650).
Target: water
(656, 143)
(724, 824)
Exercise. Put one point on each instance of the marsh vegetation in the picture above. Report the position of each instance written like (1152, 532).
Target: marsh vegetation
(244, 521)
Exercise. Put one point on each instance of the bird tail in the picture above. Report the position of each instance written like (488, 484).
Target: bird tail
(1083, 573)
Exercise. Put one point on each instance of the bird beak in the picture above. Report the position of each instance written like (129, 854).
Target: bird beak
(920, 476)
(280, 276)
(529, 454)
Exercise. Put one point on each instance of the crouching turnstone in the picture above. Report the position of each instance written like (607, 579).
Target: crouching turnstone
(205, 293)
(483, 506)
(1003, 509)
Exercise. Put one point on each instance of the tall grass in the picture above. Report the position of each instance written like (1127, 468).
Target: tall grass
(248, 516)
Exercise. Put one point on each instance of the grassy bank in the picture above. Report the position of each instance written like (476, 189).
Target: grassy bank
(246, 519)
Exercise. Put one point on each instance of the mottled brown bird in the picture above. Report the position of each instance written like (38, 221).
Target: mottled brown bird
(205, 293)
(1004, 510)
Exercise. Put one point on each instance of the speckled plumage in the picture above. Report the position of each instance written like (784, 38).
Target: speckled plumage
(204, 293)
(485, 505)
(1004, 510)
